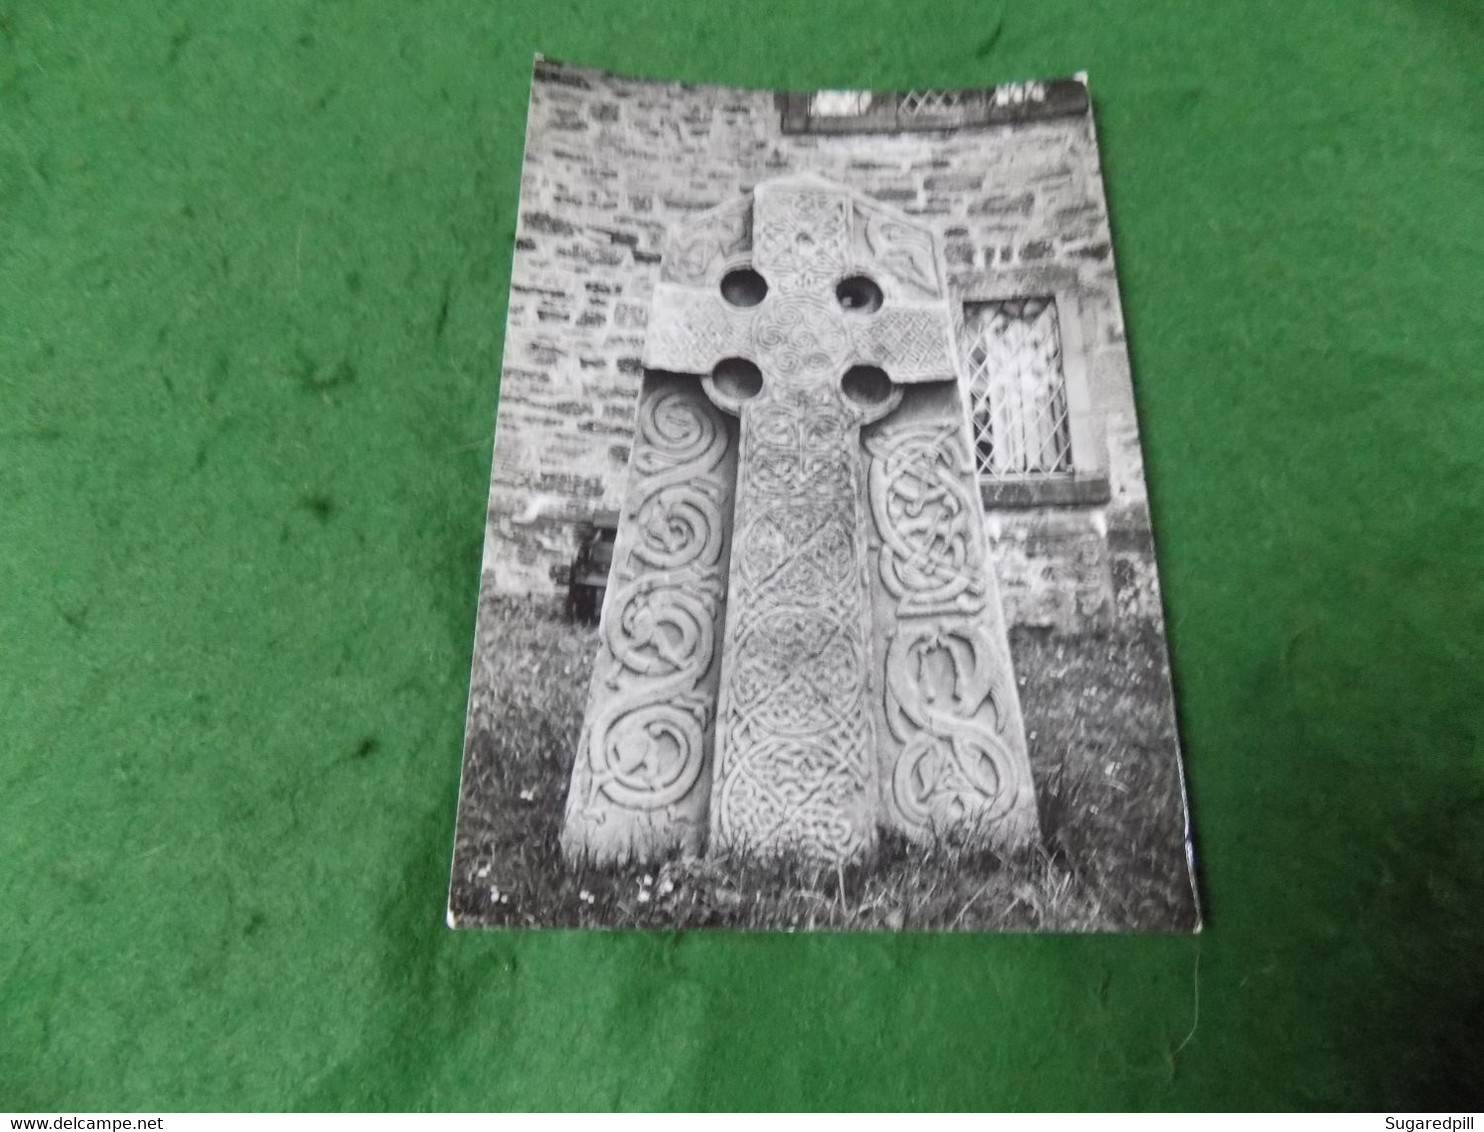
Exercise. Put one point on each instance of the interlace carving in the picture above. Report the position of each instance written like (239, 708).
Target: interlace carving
(795, 770)
(950, 702)
(905, 250)
(695, 254)
(802, 236)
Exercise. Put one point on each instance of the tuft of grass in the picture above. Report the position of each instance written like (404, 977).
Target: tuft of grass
(1103, 756)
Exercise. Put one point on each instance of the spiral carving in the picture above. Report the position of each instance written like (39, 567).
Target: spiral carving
(639, 783)
(800, 338)
(660, 630)
(678, 526)
(649, 757)
(661, 625)
(677, 429)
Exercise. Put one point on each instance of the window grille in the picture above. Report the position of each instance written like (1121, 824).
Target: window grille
(1017, 388)
(924, 103)
(862, 111)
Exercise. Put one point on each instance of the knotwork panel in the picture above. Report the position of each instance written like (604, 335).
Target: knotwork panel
(800, 235)
(795, 772)
(694, 255)
(950, 737)
(904, 250)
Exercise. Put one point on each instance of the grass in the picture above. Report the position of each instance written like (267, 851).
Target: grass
(1103, 755)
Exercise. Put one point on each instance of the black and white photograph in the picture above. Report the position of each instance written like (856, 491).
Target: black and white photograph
(819, 589)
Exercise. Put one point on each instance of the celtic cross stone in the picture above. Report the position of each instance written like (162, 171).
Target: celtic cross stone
(802, 641)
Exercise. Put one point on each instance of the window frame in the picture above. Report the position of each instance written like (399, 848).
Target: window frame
(1087, 482)
(885, 111)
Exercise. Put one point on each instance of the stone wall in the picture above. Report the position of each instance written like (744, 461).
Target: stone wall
(611, 162)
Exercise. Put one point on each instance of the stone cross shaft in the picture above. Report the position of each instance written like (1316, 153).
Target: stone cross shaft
(802, 642)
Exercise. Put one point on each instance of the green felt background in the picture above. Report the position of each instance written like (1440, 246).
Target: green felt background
(253, 264)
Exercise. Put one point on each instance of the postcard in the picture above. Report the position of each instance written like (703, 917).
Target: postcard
(819, 590)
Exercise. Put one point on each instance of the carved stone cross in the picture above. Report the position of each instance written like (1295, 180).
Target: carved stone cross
(802, 639)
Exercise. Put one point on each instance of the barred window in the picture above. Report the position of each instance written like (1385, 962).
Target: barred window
(865, 111)
(948, 106)
(1018, 388)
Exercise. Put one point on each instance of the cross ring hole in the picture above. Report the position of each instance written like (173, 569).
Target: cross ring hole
(859, 293)
(866, 386)
(743, 287)
(737, 379)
